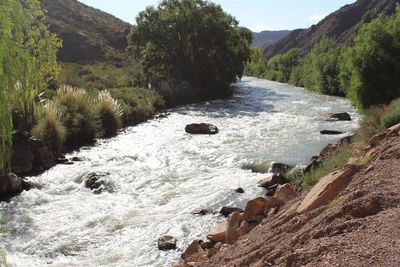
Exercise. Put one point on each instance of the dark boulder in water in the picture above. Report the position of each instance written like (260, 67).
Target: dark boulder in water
(330, 132)
(167, 242)
(344, 116)
(201, 128)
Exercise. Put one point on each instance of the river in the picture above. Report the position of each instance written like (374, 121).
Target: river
(157, 175)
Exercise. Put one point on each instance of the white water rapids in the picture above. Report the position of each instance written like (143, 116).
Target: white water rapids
(159, 175)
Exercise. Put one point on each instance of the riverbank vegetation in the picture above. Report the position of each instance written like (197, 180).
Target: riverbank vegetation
(366, 71)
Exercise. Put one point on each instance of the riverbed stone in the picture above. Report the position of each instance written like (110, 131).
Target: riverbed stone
(201, 128)
(167, 242)
(342, 116)
(331, 132)
(217, 233)
(277, 167)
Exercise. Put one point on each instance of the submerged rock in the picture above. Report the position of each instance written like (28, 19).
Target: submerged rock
(239, 190)
(330, 132)
(201, 128)
(166, 242)
(94, 181)
(343, 116)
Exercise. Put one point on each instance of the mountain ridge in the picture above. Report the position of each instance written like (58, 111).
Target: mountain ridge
(341, 25)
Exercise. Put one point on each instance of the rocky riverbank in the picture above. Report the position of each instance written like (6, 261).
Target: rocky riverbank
(348, 218)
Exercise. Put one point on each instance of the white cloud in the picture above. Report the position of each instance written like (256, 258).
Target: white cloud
(261, 27)
(316, 18)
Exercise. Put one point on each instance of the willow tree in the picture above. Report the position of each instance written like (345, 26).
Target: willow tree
(191, 41)
(27, 64)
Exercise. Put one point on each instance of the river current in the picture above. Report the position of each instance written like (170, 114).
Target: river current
(157, 176)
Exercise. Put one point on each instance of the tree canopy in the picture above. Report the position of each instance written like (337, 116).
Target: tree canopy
(192, 42)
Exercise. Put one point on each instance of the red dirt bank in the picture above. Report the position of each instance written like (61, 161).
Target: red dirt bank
(358, 228)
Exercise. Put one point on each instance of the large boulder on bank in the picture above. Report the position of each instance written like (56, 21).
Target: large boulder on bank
(201, 128)
(217, 233)
(327, 189)
(285, 193)
(43, 157)
(194, 253)
(255, 207)
(166, 242)
(343, 116)
(21, 156)
(274, 179)
(277, 168)
(231, 235)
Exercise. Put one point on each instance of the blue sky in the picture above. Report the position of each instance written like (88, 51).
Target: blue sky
(256, 15)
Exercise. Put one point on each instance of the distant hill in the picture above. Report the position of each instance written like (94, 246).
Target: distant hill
(266, 38)
(340, 25)
(88, 34)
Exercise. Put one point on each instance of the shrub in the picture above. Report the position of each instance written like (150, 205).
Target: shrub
(257, 167)
(49, 127)
(138, 104)
(110, 113)
(392, 115)
(331, 164)
(79, 115)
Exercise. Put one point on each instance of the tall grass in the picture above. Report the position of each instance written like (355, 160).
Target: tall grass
(79, 115)
(49, 127)
(392, 115)
(110, 113)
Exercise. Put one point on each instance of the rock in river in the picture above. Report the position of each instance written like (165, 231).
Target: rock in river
(167, 242)
(201, 128)
(343, 116)
(330, 132)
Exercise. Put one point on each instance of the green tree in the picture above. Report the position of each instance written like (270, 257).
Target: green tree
(256, 65)
(27, 63)
(319, 70)
(280, 67)
(192, 42)
(370, 70)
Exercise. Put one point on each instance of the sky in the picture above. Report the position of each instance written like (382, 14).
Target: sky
(256, 15)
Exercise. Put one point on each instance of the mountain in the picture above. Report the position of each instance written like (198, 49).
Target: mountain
(266, 38)
(88, 34)
(340, 25)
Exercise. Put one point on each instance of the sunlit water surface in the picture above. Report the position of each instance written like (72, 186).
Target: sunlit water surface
(159, 175)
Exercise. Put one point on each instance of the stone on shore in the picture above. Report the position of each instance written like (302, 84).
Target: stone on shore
(285, 193)
(277, 168)
(234, 220)
(10, 185)
(167, 242)
(201, 128)
(194, 253)
(226, 211)
(274, 179)
(217, 234)
(327, 188)
(255, 207)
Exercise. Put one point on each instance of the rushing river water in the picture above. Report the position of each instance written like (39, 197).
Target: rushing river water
(158, 175)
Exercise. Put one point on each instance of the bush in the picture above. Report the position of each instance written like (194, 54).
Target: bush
(49, 127)
(392, 115)
(79, 115)
(257, 167)
(110, 113)
(331, 164)
(138, 104)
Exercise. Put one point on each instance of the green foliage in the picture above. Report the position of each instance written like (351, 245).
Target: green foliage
(257, 167)
(371, 68)
(190, 42)
(27, 64)
(333, 163)
(80, 116)
(101, 76)
(279, 68)
(392, 115)
(49, 127)
(319, 70)
(256, 65)
(110, 113)
(138, 104)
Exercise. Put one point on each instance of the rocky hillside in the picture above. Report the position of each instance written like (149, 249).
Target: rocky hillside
(266, 38)
(340, 25)
(349, 218)
(88, 34)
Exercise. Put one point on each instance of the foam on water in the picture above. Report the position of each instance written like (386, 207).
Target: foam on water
(159, 175)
